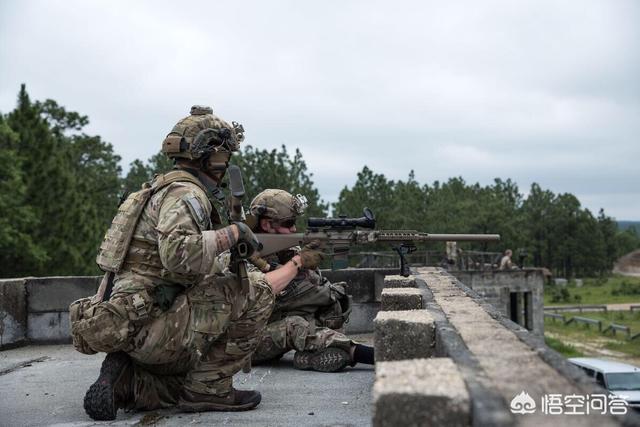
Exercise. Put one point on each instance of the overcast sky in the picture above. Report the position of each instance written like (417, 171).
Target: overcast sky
(536, 91)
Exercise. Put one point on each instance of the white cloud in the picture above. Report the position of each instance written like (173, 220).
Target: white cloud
(539, 91)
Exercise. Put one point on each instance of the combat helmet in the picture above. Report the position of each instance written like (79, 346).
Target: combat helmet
(278, 205)
(200, 134)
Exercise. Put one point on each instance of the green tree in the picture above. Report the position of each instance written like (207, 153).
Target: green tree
(71, 181)
(19, 254)
(262, 169)
(370, 190)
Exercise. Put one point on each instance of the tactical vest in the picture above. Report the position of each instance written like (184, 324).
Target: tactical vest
(115, 245)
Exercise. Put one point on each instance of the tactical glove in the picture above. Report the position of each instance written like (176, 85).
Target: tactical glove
(310, 256)
(247, 242)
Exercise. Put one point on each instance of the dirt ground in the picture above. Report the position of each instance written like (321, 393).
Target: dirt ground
(597, 348)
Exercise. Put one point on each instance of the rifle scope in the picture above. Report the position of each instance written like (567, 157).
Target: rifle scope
(366, 221)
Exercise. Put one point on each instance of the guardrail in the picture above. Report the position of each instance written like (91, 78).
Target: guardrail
(555, 317)
(614, 328)
(579, 308)
(586, 321)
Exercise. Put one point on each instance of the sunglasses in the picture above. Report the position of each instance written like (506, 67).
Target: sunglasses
(287, 223)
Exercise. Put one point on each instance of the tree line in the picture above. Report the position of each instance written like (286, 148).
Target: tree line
(60, 187)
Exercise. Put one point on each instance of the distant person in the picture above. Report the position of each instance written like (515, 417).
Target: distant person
(505, 262)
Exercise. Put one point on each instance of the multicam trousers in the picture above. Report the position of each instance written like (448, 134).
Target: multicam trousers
(296, 333)
(305, 318)
(207, 335)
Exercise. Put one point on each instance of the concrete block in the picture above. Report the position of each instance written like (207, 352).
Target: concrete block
(420, 392)
(49, 328)
(406, 334)
(401, 299)
(48, 294)
(396, 281)
(13, 312)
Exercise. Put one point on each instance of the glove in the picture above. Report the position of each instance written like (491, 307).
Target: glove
(247, 243)
(260, 263)
(310, 256)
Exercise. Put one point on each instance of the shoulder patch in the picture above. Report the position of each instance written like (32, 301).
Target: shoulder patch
(197, 210)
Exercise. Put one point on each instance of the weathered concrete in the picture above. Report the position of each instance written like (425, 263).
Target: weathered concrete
(45, 385)
(517, 294)
(420, 392)
(363, 284)
(401, 299)
(361, 318)
(35, 309)
(13, 313)
(510, 365)
(54, 294)
(401, 335)
(397, 281)
(49, 328)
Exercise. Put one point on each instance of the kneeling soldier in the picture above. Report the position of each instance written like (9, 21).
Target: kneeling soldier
(175, 329)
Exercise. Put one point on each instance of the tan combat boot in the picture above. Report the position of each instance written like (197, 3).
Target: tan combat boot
(236, 400)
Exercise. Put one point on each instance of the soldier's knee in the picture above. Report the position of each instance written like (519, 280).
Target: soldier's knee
(105, 326)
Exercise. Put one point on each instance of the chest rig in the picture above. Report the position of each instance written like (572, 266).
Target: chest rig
(117, 240)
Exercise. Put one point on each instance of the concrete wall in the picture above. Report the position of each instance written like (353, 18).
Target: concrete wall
(35, 310)
(459, 361)
(365, 287)
(13, 312)
(497, 287)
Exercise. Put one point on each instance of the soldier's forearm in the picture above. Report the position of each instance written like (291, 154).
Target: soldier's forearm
(279, 278)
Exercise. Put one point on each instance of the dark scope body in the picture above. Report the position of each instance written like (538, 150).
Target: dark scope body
(366, 221)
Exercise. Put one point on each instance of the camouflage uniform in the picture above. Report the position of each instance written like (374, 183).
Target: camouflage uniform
(185, 325)
(306, 317)
(209, 331)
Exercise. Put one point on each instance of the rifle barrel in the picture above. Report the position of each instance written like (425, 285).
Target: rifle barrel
(463, 237)
(398, 235)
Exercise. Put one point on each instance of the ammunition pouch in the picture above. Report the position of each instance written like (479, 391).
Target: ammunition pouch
(107, 326)
(337, 314)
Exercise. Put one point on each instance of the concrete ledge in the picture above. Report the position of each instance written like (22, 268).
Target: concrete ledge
(400, 335)
(363, 284)
(401, 299)
(420, 392)
(397, 281)
(49, 294)
(361, 318)
(13, 312)
(49, 328)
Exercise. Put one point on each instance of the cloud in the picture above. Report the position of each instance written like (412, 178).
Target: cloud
(538, 91)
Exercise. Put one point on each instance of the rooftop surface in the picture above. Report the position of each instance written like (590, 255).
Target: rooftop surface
(45, 385)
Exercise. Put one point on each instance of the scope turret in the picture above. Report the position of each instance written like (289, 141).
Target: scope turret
(366, 221)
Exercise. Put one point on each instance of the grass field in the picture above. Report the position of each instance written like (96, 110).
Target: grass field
(612, 290)
(588, 340)
(566, 350)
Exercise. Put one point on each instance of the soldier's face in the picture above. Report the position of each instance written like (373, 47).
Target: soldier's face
(217, 164)
(274, 227)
